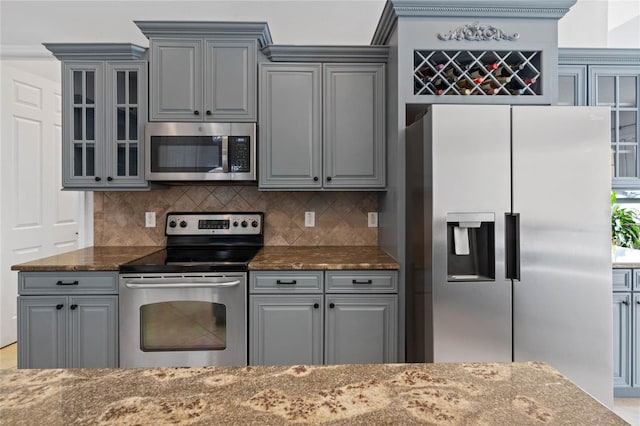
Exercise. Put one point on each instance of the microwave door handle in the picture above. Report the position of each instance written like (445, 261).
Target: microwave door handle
(225, 154)
(176, 284)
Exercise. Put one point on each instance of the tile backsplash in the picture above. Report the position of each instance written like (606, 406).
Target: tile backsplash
(341, 217)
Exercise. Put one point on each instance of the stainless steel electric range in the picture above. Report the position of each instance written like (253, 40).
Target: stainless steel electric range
(186, 305)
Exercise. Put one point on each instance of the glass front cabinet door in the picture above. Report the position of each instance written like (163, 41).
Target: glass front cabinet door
(619, 88)
(103, 128)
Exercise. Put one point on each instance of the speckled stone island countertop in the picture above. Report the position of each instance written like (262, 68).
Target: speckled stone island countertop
(393, 394)
(322, 257)
(87, 259)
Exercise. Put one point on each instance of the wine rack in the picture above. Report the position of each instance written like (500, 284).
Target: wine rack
(477, 72)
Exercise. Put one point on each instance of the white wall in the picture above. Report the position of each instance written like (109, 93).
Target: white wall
(601, 24)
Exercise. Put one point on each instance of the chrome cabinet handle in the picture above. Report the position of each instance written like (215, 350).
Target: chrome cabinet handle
(177, 284)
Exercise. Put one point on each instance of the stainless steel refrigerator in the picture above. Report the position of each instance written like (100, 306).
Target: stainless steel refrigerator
(508, 238)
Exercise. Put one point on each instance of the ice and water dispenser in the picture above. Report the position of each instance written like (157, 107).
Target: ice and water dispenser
(471, 247)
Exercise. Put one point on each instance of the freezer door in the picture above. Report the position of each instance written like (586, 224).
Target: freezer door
(469, 190)
(561, 186)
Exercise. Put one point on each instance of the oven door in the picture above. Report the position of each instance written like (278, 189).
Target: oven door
(175, 320)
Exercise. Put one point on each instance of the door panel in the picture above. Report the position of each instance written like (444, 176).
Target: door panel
(93, 332)
(561, 189)
(43, 326)
(38, 219)
(286, 330)
(361, 329)
(469, 146)
(291, 126)
(354, 130)
(176, 80)
(230, 80)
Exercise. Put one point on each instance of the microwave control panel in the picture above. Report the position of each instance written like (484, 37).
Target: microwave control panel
(239, 154)
(214, 223)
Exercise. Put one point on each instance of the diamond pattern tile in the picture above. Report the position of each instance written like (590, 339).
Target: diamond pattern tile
(341, 217)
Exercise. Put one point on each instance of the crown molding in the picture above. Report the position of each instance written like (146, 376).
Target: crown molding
(291, 53)
(599, 56)
(540, 9)
(96, 51)
(202, 29)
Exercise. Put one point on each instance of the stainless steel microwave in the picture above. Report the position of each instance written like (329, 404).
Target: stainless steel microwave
(200, 151)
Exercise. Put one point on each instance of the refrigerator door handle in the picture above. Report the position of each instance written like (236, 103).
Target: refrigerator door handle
(512, 245)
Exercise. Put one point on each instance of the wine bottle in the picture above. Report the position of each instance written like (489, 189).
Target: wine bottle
(439, 86)
(492, 67)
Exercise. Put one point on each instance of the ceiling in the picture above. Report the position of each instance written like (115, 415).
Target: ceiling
(26, 24)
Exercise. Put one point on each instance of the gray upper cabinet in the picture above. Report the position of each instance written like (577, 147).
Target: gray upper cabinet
(176, 80)
(230, 84)
(204, 71)
(104, 108)
(322, 126)
(353, 125)
(290, 126)
(203, 80)
(608, 77)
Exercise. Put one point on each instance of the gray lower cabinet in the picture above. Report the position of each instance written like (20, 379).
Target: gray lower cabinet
(626, 326)
(296, 319)
(286, 329)
(67, 320)
(360, 329)
(322, 126)
(203, 80)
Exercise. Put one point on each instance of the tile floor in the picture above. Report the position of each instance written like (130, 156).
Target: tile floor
(627, 408)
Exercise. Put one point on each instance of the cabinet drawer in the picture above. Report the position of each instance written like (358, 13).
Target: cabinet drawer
(362, 281)
(622, 279)
(286, 282)
(68, 283)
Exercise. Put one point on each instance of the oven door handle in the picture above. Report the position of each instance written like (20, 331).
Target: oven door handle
(177, 284)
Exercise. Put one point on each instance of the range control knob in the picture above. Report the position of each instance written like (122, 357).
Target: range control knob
(183, 224)
(235, 223)
(172, 224)
(244, 224)
(254, 223)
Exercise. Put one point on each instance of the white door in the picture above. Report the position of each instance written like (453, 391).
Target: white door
(37, 219)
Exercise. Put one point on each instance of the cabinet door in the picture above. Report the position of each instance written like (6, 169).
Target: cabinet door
(93, 332)
(291, 129)
(621, 340)
(619, 88)
(230, 83)
(285, 330)
(360, 329)
(83, 124)
(635, 332)
(354, 130)
(176, 80)
(42, 331)
(125, 117)
(572, 85)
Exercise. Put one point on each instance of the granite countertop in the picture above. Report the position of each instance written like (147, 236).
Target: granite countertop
(87, 259)
(322, 257)
(443, 394)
